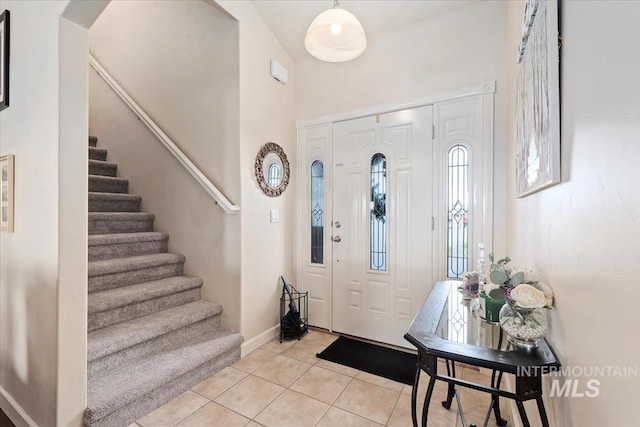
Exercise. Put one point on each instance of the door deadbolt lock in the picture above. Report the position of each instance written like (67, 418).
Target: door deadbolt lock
(336, 239)
(337, 224)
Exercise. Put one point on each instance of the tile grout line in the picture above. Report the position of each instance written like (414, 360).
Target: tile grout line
(193, 412)
(289, 386)
(323, 414)
(358, 415)
(219, 404)
(268, 404)
(329, 406)
(394, 408)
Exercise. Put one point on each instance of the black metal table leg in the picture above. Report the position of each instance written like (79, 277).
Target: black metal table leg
(543, 413)
(451, 391)
(427, 399)
(523, 414)
(414, 396)
(495, 399)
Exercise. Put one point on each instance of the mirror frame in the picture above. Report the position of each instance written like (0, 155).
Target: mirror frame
(271, 147)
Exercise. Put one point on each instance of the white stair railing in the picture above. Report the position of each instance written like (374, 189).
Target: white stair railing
(208, 186)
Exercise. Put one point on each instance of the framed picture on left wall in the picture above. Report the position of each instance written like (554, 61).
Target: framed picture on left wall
(6, 192)
(4, 60)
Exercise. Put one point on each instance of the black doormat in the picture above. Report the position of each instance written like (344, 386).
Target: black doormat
(382, 361)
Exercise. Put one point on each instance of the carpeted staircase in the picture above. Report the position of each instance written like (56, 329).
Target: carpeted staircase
(151, 336)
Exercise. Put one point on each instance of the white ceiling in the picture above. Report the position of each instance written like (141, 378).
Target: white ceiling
(289, 19)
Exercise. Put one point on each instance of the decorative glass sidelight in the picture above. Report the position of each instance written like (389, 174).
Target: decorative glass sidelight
(457, 211)
(378, 216)
(317, 212)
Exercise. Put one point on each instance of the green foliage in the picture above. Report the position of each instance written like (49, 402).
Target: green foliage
(501, 274)
(517, 278)
(498, 277)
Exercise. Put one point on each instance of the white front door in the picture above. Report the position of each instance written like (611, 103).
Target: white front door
(382, 223)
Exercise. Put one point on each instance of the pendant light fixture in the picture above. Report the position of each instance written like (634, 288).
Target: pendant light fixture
(335, 36)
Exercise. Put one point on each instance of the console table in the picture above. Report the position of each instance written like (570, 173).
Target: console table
(447, 328)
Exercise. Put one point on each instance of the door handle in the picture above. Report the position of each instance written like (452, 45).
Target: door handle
(336, 239)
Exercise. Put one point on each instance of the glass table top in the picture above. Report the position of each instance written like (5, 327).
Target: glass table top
(447, 326)
(460, 322)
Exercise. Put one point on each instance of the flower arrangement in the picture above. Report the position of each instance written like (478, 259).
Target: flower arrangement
(471, 283)
(521, 288)
(521, 317)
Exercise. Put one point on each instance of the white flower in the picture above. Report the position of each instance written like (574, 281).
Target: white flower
(548, 293)
(527, 296)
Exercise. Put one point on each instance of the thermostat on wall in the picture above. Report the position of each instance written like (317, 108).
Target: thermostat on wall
(278, 72)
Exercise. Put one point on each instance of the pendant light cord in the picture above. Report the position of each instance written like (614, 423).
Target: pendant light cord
(336, 4)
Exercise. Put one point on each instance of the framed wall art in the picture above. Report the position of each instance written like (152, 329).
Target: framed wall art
(6, 191)
(538, 99)
(4, 60)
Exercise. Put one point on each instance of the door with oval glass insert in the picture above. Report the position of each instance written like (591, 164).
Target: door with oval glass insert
(381, 234)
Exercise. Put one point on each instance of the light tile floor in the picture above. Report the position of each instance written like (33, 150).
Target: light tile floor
(285, 384)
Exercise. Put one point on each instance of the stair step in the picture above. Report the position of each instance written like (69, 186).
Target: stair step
(113, 306)
(109, 246)
(97, 153)
(108, 184)
(139, 338)
(121, 395)
(115, 273)
(114, 202)
(168, 341)
(99, 167)
(120, 222)
(151, 336)
(113, 339)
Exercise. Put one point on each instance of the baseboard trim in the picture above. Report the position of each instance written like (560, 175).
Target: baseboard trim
(14, 411)
(258, 341)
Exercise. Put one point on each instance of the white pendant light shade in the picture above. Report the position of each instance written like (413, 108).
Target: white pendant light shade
(335, 36)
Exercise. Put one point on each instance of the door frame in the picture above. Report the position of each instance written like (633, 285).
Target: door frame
(485, 89)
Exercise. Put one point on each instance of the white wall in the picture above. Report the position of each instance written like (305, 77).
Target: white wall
(43, 264)
(179, 61)
(35, 263)
(582, 235)
(188, 84)
(29, 256)
(447, 52)
(266, 114)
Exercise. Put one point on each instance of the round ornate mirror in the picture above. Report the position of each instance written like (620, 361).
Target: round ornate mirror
(272, 169)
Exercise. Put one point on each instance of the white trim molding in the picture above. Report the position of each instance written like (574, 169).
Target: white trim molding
(488, 87)
(260, 340)
(315, 141)
(14, 411)
(208, 186)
